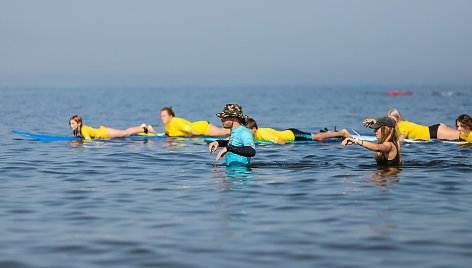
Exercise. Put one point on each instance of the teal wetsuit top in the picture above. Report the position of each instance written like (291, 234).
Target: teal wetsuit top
(240, 136)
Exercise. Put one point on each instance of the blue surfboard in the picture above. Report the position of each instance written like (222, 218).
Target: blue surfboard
(43, 137)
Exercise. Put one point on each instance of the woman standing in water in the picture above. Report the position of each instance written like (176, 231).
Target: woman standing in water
(387, 150)
(88, 133)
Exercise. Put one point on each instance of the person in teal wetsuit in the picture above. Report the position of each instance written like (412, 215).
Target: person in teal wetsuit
(240, 147)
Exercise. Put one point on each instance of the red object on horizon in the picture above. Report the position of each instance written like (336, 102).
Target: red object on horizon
(399, 92)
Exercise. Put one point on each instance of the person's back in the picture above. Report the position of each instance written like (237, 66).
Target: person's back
(413, 131)
(384, 161)
(178, 127)
(94, 133)
(272, 135)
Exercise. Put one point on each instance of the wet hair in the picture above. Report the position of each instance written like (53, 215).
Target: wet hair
(77, 132)
(388, 134)
(465, 119)
(169, 110)
(251, 123)
(395, 114)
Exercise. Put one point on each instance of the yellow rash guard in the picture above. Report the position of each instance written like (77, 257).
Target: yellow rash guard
(272, 135)
(181, 127)
(413, 131)
(94, 133)
(466, 138)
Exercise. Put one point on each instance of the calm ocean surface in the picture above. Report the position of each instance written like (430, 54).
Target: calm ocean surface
(167, 203)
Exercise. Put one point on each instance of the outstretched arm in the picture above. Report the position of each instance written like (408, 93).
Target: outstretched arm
(383, 147)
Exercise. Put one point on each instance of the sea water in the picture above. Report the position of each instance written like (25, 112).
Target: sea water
(168, 203)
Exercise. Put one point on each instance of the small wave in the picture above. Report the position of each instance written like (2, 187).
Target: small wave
(435, 164)
(292, 165)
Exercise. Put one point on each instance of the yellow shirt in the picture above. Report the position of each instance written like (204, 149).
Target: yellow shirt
(413, 131)
(181, 127)
(272, 135)
(466, 138)
(94, 133)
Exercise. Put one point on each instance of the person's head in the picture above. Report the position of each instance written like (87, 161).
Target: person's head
(464, 124)
(166, 114)
(75, 124)
(252, 126)
(384, 129)
(395, 114)
(232, 113)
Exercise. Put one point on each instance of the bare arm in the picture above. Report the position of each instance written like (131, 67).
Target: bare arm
(383, 148)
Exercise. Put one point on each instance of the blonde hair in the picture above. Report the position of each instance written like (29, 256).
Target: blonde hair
(395, 114)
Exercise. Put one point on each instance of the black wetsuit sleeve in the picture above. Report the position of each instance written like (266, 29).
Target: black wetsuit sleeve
(247, 151)
(222, 143)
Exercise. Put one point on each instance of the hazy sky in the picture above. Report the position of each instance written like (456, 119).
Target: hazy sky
(202, 42)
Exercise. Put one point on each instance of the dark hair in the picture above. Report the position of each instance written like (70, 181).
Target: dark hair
(240, 120)
(465, 119)
(251, 123)
(169, 110)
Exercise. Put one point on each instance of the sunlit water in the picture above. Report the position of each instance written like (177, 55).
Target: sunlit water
(168, 203)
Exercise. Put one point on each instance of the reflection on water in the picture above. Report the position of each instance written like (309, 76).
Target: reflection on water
(76, 143)
(383, 176)
(233, 177)
(466, 145)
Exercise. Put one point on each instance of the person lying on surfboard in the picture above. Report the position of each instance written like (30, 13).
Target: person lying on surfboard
(179, 127)
(240, 147)
(88, 133)
(292, 134)
(464, 126)
(409, 130)
(387, 150)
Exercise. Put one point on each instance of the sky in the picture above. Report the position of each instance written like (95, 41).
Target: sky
(219, 42)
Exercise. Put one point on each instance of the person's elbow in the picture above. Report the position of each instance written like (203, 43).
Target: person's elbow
(251, 152)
